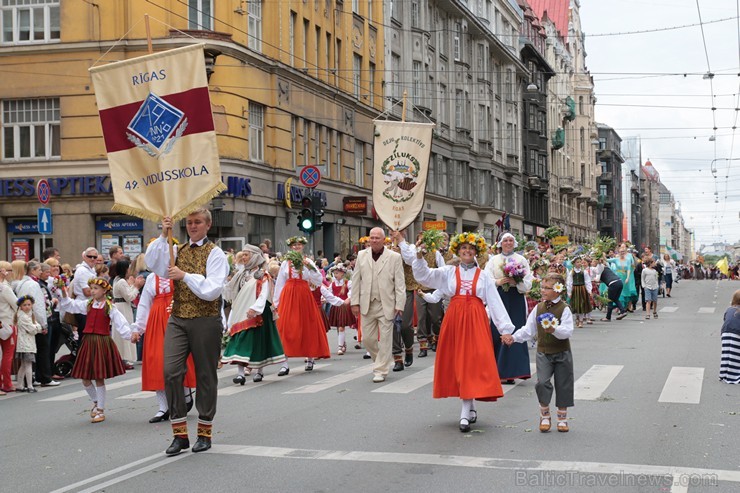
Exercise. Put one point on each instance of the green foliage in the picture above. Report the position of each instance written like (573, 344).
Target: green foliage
(552, 232)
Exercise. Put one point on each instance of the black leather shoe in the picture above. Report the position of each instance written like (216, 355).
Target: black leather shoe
(398, 366)
(257, 377)
(283, 371)
(202, 444)
(178, 445)
(409, 360)
(158, 418)
(366, 356)
(464, 426)
(239, 379)
(423, 353)
(309, 365)
(433, 347)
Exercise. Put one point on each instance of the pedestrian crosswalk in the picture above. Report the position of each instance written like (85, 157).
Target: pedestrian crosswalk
(680, 385)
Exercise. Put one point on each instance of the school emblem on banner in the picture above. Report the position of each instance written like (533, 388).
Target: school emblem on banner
(402, 151)
(155, 122)
(155, 112)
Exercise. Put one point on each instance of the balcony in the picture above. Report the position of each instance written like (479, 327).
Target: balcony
(570, 113)
(585, 195)
(608, 176)
(566, 185)
(511, 165)
(534, 182)
(594, 198)
(576, 189)
(558, 139)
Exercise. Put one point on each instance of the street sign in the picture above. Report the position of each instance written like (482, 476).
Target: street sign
(43, 191)
(43, 219)
(310, 176)
(560, 241)
(440, 225)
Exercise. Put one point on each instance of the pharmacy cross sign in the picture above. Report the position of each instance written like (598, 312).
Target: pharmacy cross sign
(310, 176)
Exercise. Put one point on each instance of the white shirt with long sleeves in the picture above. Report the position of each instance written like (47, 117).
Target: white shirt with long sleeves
(494, 269)
(208, 287)
(118, 321)
(311, 275)
(586, 280)
(329, 296)
(443, 279)
(564, 329)
(148, 293)
(83, 273)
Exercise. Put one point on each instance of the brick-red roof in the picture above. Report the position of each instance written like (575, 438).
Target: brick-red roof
(557, 12)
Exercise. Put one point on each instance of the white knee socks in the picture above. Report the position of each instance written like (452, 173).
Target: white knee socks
(92, 392)
(340, 339)
(467, 405)
(240, 370)
(101, 397)
(162, 401)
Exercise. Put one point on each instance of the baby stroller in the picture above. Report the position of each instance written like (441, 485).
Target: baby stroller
(63, 365)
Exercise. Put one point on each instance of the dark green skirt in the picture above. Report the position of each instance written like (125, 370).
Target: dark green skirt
(257, 347)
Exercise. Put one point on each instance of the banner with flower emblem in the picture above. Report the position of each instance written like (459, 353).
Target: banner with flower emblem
(400, 169)
(159, 134)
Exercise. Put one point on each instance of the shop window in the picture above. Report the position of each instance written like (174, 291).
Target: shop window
(261, 228)
(31, 129)
(30, 21)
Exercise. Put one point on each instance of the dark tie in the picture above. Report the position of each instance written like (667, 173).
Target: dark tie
(194, 245)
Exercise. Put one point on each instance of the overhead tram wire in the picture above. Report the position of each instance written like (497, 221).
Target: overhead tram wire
(737, 111)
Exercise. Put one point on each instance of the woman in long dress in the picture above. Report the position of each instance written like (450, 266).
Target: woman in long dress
(300, 324)
(513, 361)
(465, 365)
(624, 266)
(254, 342)
(125, 291)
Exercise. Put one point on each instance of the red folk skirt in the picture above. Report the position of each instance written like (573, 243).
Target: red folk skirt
(97, 359)
(465, 365)
(152, 361)
(300, 324)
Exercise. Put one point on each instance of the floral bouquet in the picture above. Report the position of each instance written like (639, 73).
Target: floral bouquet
(61, 281)
(515, 270)
(432, 239)
(296, 258)
(536, 292)
(548, 321)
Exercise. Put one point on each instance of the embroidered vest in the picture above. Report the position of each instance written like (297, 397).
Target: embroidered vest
(548, 343)
(186, 303)
(579, 279)
(97, 322)
(408, 274)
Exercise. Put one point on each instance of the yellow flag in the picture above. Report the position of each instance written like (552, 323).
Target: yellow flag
(723, 266)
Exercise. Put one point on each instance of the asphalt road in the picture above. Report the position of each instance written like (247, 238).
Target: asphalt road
(650, 416)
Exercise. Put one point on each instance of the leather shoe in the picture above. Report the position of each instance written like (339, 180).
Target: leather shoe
(239, 379)
(423, 353)
(464, 425)
(257, 377)
(202, 444)
(398, 366)
(177, 446)
(158, 418)
(409, 360)
(433, 346)
(283, 371)
(366, 356)
(378, 379)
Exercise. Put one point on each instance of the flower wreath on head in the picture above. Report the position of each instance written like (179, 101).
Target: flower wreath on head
(296, 239)
(24, 298)
(99, 281)
(474, 239)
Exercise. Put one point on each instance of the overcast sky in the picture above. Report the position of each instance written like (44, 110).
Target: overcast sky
(676, 139)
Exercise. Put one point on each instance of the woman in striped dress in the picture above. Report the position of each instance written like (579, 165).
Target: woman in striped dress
(729, 370)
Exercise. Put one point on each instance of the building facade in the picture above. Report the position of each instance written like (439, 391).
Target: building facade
(650, 206)
(610, 216)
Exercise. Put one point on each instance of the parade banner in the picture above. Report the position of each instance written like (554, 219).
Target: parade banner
(400, 169)
(159, 134)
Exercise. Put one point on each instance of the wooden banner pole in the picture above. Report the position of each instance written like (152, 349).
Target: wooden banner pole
(403, 108)
(148, 34)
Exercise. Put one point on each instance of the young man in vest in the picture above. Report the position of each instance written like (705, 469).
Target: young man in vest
(552, 323)
(195, 325)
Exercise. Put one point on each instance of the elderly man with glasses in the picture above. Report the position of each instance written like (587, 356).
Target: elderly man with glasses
(84, 271)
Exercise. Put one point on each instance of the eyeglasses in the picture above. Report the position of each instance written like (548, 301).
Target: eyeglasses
(91, 256)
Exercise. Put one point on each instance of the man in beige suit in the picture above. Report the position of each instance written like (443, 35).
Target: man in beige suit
(378, 294)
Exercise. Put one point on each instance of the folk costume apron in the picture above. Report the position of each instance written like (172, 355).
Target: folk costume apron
(465, 365)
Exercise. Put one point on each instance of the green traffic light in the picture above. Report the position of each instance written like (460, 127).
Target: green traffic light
(307, 224)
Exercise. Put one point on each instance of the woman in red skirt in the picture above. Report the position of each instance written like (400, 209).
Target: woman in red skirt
(299, 324)
(97, 358)
(152, 315)
(465, 365)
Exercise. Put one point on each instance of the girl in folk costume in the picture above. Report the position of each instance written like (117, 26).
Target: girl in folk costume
(97, 358)
(594, 271)
(300, 325)
(578, 283)
(513, 278)
(341, 316)
(254, 342)
(28, 327)
(155, 305)
(465, 365)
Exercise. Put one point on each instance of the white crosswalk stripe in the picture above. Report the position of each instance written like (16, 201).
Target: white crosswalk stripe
(238, 389)
(668, 309)
(81, 393)
(414, 381)
(532, 371)
(327, 383)
(145, 394)
(707, 309)
(683, 385)
(592, 384)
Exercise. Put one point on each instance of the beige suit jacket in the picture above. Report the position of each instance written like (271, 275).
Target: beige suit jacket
(391, 283)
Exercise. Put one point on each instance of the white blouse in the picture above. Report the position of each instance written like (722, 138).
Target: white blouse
(148, 293)
(311, 275)
(117, 319)
(494, 268)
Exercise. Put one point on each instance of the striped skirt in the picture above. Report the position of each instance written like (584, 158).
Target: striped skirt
(729, 369)
(97, 359)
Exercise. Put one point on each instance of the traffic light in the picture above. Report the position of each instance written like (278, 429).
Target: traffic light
(306, 220)
(318, 211)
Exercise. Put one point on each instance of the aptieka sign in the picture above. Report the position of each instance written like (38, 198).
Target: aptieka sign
(159, 134)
